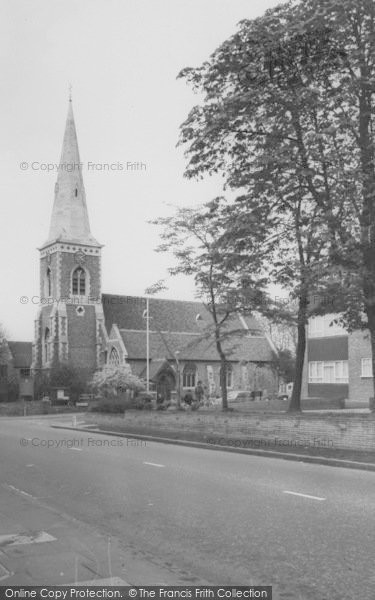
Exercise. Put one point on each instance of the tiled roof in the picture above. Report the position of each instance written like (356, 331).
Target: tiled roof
(21, 353)
(166, 315)
(193, 347)
(179, 325)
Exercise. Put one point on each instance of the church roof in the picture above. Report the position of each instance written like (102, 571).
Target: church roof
(192, 347)
(21, 353)
(70, 221)
(166, 315)
(179, 325)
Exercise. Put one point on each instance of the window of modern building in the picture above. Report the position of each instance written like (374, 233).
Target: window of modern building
(341, 371)
(189, 375)
(114, 358)
(328, 372)
(79, 282)
(322, 326)
(366, 367)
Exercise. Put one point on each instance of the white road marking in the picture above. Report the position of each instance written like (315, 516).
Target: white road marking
(4, 573)
(304, 495)
(18, 491)
(78, 449)
(17, 539)
(153, 464)
(117, 581)
(29, 465)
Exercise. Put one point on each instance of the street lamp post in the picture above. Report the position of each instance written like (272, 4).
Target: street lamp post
(146, 315)
(148, 345)
(178, 379)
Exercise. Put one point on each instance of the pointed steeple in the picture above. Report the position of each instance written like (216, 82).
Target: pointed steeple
(70, 220)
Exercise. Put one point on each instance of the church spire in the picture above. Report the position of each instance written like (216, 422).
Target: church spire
(70, 221)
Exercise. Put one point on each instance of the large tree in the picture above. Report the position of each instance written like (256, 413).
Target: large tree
(289, 237)
(194, 237)
(348, 95)
(4, 349)
(264, 125)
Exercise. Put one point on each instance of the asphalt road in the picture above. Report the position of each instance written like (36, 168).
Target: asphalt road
(149, 513)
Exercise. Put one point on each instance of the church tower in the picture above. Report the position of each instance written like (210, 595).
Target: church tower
(68, 326)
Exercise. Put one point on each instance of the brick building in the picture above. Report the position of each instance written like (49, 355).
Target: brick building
(337, 364)
(78, 325)
(15, 371)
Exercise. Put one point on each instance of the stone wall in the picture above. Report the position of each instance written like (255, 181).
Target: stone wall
(356, 432)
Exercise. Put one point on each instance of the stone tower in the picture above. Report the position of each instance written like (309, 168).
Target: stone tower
(68, 326)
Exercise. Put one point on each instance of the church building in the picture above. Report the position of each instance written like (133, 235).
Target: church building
(79, 325)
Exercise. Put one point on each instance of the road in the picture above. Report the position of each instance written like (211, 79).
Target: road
(149, 513)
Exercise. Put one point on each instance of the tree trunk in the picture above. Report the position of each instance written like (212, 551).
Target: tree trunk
(370, 313)
(223, 382)
(295, 402)
(368, 213)
(223, 375)
(372, 337)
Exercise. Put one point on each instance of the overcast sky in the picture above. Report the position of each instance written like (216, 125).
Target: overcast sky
(122, 58)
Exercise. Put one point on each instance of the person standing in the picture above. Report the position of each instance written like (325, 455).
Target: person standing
(199, 392)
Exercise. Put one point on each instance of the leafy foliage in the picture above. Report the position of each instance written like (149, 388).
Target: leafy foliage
(196, 238)
(112, 381)
(63, 376)
(287, 118)
(4, 350)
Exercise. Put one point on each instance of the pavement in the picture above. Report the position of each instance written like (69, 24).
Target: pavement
(96, 507)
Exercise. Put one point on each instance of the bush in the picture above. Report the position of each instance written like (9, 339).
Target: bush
(112, 405)
(143, 404)
(118, 404)
(112, 381)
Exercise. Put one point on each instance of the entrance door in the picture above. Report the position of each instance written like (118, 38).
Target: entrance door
(165, 384)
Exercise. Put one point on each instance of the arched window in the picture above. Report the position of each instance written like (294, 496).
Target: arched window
(76, 192)
(114, 358)
(229, 370)
(79, 282)
(46, 345)
(49, 282)
(189, 375)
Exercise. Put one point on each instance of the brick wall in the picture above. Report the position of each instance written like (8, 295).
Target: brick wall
(53, 265)
(360, 389)
(346, 432)
(92, 265)
(82, 337)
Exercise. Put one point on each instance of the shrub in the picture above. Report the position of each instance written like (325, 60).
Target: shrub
(112, 405)
(12, 390)
(143, 403)
(118, 404)
(112, 381)
(64, 376)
